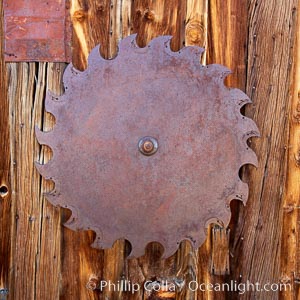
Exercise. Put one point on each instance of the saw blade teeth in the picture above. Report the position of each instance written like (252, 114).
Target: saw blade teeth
(50, 96)
(44, 138)
(137, 249)
(75, 225)
(73, 222)
(94, 56)
(53, 103)
(250, 127)
(249, 134)
(126, 44)
(67, 77)
(224, 221)
(161, 43)
(172, 248)
(40, 135)
(218, 221)
(97, 243)
(192, 54)
(53, 197)
(239, 96)
(151, 62)
(250, 158)
(103, 242)
(45, 169)
(241, 191)
(242, 103)
(70, 74)
(167, 44)
(98, 238)
(218, 72)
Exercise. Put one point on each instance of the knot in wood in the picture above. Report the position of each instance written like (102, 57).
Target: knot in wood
(79, 15)
(195, 32)
(149, 15)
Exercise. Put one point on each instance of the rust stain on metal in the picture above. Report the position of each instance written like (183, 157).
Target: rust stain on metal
(37, 30)
(99, 171)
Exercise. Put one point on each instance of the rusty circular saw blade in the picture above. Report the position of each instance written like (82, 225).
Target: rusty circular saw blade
(115, 190)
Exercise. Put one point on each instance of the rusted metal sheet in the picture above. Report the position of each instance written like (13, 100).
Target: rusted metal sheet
(147, 146)
(37, 30)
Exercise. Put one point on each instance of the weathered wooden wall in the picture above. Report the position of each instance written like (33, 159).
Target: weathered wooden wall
(40, 259)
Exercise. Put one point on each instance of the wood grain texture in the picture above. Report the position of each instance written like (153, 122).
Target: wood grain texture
(290, 247)
(227, 38)
(257, 245)
(256, 39)
(49, 247)
(5, 187)
(220, 251)
(196, 30)
(26, 205)
(91, 26)
(151, 18)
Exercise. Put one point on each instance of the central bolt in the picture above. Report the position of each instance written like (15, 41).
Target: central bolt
(148, 145)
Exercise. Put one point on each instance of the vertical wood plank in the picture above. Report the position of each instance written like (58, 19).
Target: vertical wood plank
(196, 31)
(115, 264)
(153, 18)
(80, 263)
(226, 43)
(220, 251)
(33, 248)
(187, 270)
(227, 38)
(193, 266)
(204, 275)
(126, 17)
(77, 260)
(25, 207)
(49, 246)
(116, 21)
(5, 187)
(258, 236)
(290, 246)
(91, 26)
(114, 260)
